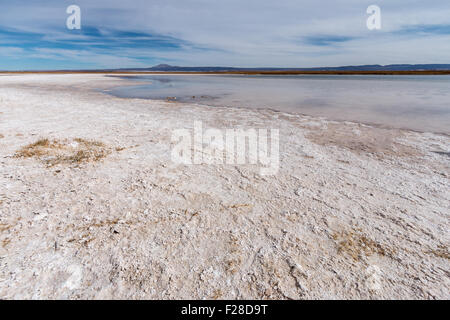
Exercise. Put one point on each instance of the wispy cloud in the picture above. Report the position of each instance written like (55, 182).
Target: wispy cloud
(327, 40)
(290, 33)
(437, 29)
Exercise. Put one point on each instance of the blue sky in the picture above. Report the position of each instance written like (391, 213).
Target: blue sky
(239, 33)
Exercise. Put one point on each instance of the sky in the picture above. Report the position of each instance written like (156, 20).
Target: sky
(236, 33)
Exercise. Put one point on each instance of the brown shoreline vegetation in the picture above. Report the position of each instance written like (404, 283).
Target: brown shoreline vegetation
(262, 72)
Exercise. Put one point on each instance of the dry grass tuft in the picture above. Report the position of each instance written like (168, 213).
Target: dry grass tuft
(217, 294)
(1, 136)
(240, 205)
(5, 242)
(233, 263)
(71, 152)
(357, 245)
(4, 227)
(441, 252)
(36, 149)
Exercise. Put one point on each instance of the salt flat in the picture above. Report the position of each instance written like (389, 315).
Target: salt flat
(354, 211)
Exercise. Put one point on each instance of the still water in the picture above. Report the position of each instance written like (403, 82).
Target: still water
(414, 102)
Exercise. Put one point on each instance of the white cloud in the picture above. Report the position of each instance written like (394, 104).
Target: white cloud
(247, 32)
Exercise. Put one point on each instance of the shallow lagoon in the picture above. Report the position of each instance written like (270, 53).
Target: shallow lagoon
(415, 102)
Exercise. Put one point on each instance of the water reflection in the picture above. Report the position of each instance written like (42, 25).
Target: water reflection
(414, 102)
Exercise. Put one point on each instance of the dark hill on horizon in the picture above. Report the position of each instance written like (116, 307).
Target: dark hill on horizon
(362, 69)
(392, 67)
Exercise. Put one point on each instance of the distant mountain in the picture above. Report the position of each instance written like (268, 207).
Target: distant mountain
(405, 68)
(376, 67)
(168, 68)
